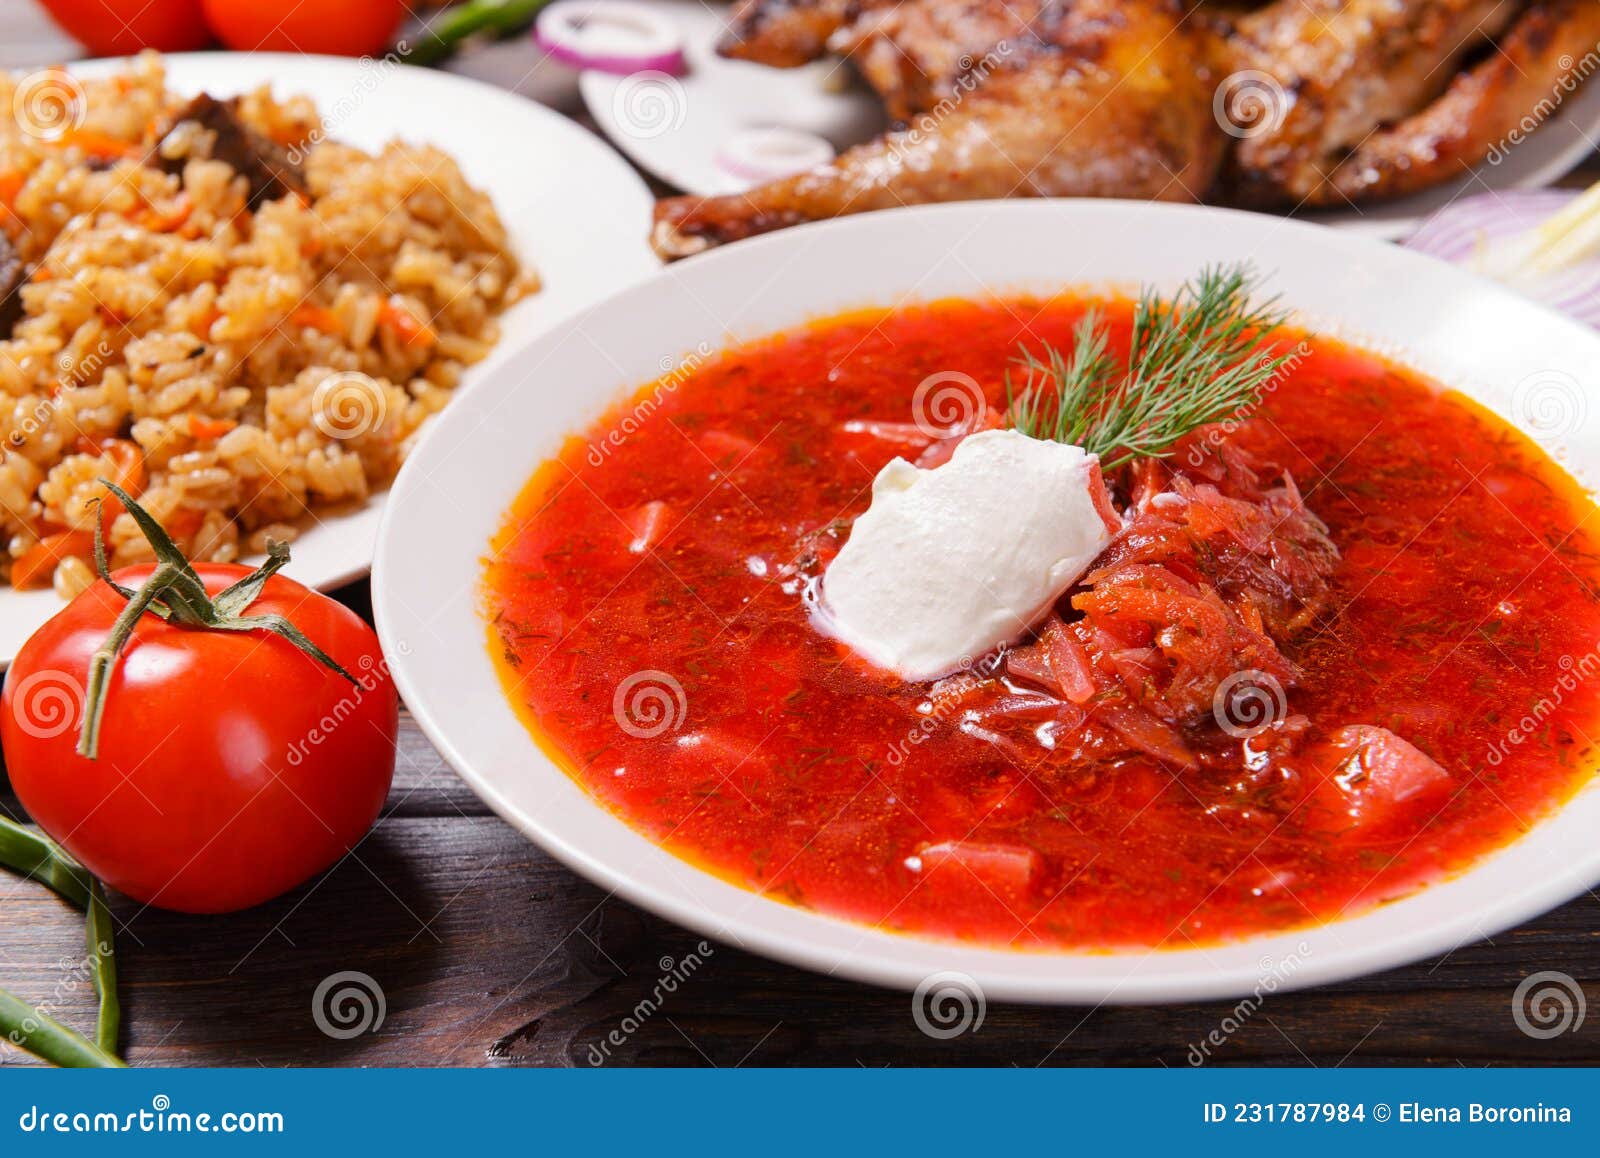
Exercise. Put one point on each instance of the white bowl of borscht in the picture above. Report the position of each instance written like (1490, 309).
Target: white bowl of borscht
(1319, 704)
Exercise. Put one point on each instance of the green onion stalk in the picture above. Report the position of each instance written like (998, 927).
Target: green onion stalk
(25, 851)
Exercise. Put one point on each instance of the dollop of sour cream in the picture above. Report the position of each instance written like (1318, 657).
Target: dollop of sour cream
(949, 563)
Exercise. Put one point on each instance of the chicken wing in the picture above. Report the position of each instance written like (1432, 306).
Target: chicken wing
(1107, 98)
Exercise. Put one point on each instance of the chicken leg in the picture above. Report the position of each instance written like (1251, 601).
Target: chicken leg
(1049, 99)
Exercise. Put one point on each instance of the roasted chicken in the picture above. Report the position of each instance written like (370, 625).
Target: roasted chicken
(1002, 100)
(1376, 98)
(1292, 103)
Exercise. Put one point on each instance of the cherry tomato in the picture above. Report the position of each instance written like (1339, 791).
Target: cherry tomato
(123, 27)
(232, 766)
(335, 27)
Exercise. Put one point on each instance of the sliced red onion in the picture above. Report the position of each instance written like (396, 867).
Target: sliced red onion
(616, 36)
(766, 154)
(1497, 234)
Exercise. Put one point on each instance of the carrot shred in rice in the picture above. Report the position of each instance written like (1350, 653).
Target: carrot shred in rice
(406, 326)
(153, 219)
(317, 318)
(36, 566)
(128, 472)
(102, 145)
(183, 523)
(205, 428)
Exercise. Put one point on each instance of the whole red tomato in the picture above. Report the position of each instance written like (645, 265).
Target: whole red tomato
(232, 765)
(123, 27)
(335, 27)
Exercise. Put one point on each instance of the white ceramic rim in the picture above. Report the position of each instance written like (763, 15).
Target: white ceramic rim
(1464, 330)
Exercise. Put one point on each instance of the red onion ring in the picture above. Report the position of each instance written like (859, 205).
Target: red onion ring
(771, 152)
(615, 36)
(1463, 231)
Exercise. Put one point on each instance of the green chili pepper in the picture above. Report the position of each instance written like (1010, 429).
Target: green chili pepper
(476, 17)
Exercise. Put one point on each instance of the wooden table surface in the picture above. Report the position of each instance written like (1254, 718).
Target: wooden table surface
(488, 952)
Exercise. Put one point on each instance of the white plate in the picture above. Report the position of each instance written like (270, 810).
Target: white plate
(673, 127)
(577, 213)
(719, 96)
(450, 497)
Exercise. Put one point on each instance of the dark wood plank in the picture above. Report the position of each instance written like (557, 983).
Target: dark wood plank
(489, 953)
(424, 784)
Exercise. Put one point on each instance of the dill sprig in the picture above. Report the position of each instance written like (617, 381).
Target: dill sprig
(1202, 356)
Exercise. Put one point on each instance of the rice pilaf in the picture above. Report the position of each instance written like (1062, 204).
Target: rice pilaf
(239, 354)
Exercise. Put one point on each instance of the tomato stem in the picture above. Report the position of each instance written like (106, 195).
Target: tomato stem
(105, 657)
(175, 593)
